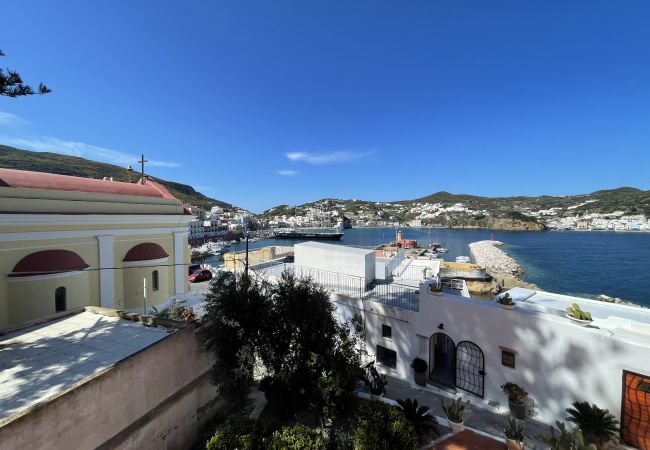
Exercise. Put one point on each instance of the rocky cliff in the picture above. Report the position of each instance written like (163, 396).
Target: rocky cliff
(512, 224)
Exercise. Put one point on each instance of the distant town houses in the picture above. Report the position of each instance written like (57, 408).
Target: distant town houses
(218, 224)
(377, 214)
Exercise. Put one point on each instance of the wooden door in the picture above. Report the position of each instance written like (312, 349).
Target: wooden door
(635, 420)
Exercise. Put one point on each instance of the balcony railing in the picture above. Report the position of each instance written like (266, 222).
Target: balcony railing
(389, 294)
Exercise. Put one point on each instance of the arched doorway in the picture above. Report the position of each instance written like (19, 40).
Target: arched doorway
(442, 360)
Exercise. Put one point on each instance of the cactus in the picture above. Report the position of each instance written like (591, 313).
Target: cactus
(575, 311)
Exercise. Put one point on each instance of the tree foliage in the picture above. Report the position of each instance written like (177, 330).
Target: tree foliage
(237, 433)
(297, 437)
(311, 360)
(238, 311)
(383, 427)
(12, 85)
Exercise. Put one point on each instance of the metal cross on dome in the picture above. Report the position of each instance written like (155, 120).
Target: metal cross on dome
(142, 161)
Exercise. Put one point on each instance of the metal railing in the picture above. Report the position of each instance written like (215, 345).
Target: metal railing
(389, 294)
(456, 285)
(394, 262)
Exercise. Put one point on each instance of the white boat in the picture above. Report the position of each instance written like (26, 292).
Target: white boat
(463, 259)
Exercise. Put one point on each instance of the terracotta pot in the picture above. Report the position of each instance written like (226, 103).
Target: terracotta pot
(513, 444)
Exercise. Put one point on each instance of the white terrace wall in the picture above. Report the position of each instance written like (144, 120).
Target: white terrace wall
(336, 258)
(556, 362)
(155, 399)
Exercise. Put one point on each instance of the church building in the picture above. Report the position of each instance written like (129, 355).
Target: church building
(68, 242)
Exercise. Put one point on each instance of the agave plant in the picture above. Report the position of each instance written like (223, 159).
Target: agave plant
(597, 425)
(455, 409)
(514, 429)
(419, 416)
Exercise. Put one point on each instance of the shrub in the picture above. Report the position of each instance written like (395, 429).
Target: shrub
(419, 416)
(516, 394)
(562, 439)
(514, 429)
(419, 365)
(237, 433)
(383, 427)
(297, 437)
(597, 425)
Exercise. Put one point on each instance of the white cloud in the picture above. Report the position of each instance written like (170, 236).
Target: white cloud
(9, 120)
(83, 150)
(287, 173)
(324, 158)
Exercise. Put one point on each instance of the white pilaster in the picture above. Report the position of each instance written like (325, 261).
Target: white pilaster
(106, 273)
(180, 269)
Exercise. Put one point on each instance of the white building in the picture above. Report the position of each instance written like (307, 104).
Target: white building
(472, 347)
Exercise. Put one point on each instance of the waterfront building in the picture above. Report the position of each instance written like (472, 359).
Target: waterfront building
(68, 242)
(473, 346)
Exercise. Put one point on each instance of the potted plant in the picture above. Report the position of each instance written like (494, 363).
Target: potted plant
(517, 399)
(506, 301)
(376, 384)
(419, 371)
(454, 412)
(514, 432)
(376, 387)
(598, 426)
(435, 286)
(578, 316)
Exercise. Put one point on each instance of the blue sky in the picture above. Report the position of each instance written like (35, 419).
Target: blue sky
(266, 102)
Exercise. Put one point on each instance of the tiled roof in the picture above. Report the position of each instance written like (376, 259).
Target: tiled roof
(40, 180)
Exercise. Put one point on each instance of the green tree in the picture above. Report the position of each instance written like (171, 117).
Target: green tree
(311, 360)
(238, 309)
(383, 427)
(308, 351)
(11, 84)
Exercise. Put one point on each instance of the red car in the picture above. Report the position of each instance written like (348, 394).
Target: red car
(200, 275)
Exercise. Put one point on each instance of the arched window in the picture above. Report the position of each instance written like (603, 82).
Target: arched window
(154, 280)
(60, 299)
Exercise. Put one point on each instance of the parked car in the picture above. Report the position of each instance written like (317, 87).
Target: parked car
(200, 275)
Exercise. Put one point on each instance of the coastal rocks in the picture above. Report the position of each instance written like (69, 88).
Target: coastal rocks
(511, 224)
(496, 261)
(618, 301)
(503, 269)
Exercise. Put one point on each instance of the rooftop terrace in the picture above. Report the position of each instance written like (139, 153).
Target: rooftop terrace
(43, 360)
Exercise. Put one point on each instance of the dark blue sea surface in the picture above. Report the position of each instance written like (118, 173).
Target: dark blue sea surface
(567, 262)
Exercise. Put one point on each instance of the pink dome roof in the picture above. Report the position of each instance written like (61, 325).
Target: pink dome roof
(48, 262)
(145, 252)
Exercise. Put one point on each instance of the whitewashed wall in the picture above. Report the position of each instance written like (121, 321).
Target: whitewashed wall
(556, 362)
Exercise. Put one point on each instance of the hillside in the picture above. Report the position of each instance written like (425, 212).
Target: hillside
(14, 158)
(621, 209)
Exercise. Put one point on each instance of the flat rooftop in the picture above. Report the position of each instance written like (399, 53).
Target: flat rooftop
(557, 304)
(41, 361)
(336, 248)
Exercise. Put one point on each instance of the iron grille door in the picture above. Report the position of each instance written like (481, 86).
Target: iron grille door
(470, 368)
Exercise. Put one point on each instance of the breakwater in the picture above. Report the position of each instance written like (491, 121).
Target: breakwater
(495, 260)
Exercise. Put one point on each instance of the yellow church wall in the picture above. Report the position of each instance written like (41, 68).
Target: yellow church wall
(12, 252)
(129, 279)
(29, 299)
